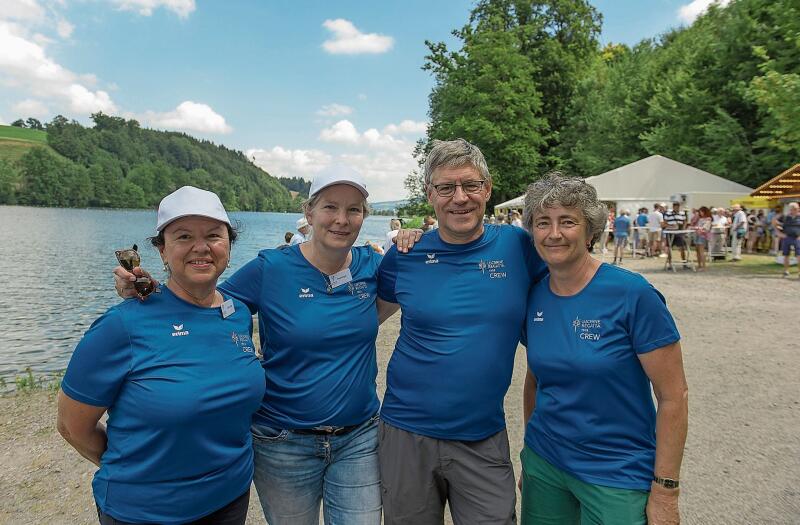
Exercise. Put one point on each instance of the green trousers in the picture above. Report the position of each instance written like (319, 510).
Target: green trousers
(551, 496)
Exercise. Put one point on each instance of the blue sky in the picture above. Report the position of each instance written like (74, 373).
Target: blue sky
(297, 85)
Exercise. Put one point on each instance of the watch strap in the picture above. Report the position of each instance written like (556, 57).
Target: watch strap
(667, 483)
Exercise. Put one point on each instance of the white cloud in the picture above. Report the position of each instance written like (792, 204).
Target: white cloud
(30, 108)
(182, 8)
(362, 96)
(689, 12)
(188, 116)
(343, 132)
(22, 10)
(3, 122)
(64, 28)
(24, 64)
(281, 162)
(348, 40)
(406, 127)
(334, 110)
(384, 158)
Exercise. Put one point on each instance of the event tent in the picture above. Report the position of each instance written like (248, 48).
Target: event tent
(657, 179)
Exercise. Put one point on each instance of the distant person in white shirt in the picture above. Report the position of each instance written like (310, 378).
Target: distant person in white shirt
(718, 219)
(654, 220)
(738, 229)
(516, 219)
(394, 227)
(303, 232)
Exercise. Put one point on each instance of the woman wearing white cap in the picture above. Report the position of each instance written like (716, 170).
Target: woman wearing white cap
(179, 379)
(315, 435)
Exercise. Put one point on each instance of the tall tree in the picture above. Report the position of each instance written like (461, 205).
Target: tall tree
(508, 87)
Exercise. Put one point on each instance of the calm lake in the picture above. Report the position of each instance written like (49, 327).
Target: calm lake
(55, 272)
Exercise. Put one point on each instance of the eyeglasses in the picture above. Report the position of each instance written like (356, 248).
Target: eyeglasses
(449, 189)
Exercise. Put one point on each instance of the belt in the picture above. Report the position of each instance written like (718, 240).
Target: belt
(327, 430)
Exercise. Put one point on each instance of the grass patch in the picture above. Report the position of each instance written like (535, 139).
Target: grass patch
(29, 382)
(12, 150)
(412, 222)
(750, 265)
(30, 135)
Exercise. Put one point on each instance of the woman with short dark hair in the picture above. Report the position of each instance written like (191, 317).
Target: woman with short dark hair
(179, 379)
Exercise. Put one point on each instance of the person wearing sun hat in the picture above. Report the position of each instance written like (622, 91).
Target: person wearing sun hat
(179, 379)
(303, 232)
(315, 437)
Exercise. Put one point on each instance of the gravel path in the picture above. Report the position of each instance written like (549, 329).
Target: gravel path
(742, 360)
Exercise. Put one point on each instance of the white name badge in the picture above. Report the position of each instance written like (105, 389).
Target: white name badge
(340, 278)
(227, 308)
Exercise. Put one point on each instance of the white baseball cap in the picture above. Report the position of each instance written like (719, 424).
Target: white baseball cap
(302, 223)
(338, 174)
(189, 200)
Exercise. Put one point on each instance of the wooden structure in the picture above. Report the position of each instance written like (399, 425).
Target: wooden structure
(785, 186)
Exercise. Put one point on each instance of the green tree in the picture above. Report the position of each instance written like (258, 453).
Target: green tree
(9, 183)
(34, 123)
(484, 94)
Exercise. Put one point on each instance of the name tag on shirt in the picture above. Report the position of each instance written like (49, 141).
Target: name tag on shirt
(340, 278)
(227, 308)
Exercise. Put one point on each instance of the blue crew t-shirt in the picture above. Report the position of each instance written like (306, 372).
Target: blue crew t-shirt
(622, 226)
(318, 347)
(463, 308)
(181, 385)
(594, 415)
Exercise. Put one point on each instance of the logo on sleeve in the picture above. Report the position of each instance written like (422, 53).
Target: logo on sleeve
(587, 329)
(432, 259)
(495, 269)
(538, 318)
(305, 293)
(179, 331)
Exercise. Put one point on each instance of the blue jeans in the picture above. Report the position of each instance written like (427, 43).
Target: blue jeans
(294, 472)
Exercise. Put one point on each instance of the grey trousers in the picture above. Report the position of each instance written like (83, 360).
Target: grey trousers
(419, 474)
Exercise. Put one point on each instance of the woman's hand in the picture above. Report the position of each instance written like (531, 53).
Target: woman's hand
(123, 282)
(405, 239)
(662, 506)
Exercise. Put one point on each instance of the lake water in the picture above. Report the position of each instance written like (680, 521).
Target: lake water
(55, 272)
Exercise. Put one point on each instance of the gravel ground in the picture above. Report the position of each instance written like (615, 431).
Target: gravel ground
(742, 457)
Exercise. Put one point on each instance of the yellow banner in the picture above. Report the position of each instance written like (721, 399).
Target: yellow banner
(755, 202)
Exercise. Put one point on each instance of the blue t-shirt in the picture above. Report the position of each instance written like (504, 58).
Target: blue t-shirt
(622, 225)
(318, 347)
(641, 219)
(181, 385)
(463, 307)
(594, 415)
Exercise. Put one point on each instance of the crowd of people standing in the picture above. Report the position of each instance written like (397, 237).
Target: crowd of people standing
(744, 231)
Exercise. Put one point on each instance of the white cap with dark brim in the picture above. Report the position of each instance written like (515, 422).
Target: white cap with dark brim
(187, 201)
(338, 174)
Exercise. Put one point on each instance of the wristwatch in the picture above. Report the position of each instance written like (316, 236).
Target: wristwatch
(667, 483)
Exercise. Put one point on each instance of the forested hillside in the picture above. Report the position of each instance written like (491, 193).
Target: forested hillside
(533, 88)
(117, 164)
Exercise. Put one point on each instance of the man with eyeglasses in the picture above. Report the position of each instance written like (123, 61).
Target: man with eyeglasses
(443, 432)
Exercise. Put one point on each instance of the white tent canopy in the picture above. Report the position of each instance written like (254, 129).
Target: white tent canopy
(659, 179)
